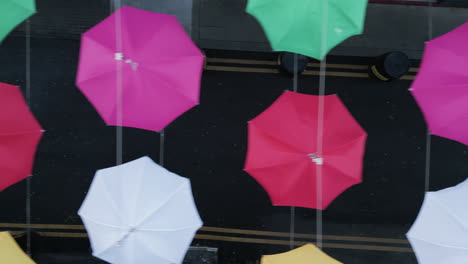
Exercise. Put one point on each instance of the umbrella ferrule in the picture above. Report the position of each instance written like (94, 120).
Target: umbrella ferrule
(316, 158)
(119, 56)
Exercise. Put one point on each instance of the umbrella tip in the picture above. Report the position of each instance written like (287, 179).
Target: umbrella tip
(42, 130)
(410, 89)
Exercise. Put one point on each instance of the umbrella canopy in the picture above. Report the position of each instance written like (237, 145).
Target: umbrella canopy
(301, 26)
(151, 61)
(306, 254)
(282, 153)
(12, 13)
(441, 86)
(10, 252)
(19, 136)
(139, 212)
(440, 232)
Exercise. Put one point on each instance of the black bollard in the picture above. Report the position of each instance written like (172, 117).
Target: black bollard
(389, 66)
(286, 63)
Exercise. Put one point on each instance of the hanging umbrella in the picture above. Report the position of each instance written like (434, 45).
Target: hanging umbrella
(10, 252)
(307, 254)
(139, 212)
(297, 25)
(441, 86)
(12, 13)
(440, 232)
(282, 150)
(160, 68)
(19, 136)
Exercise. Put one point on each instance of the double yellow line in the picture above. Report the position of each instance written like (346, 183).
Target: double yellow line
(239, 236)
(331, 68)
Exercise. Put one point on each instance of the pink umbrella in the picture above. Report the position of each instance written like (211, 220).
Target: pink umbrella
(160, 68)
(283, 155)
(441, 87)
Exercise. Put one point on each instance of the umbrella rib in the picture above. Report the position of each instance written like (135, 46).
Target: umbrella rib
(329, 152)
(344, 14)
(171, 229)
(22, 6)
(100, 75)
(344, 175)
(162, 205)
(177, 59)
(447, 50)
(153, 250)
(285, 34)
(140, 180)
(256, 5)
(155, 34)
(454, 120)
(449, 212)
(437, 244)
(439, 128)
(111, 200)
(96, 42)
(167, 86)
(101, 223)
(272, 166)
(112, 226)
(150, 230)
(267, 133)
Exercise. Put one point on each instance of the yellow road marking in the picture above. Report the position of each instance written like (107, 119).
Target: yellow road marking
(315, 73)
(299, 243)
(241, 69)
(63, 234)
(340, 66)
(42, 226)
(257, 241)
(236, 239)
(298, 235)
(311, 64)
(227, 231)
(238, 61)
(338, 74)
(408, 78)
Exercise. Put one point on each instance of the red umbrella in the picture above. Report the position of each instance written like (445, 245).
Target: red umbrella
(282, 153)
(19, 136)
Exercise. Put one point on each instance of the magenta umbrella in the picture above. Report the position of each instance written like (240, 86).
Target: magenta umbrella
(441, 87)
(146, 56)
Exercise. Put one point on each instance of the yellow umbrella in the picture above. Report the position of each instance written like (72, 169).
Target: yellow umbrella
(306, 254)
(10, 252)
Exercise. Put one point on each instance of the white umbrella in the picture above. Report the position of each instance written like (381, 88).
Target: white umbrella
(139, 213)
(440, 232)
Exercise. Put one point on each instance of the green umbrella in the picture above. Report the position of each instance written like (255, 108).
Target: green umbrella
(12, 13)
(297, 25)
